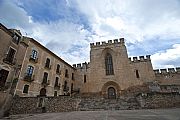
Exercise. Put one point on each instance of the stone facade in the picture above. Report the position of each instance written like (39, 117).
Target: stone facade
(168, 79)
(11, 57)
(54, 84)
(125, 70)
(130, 75)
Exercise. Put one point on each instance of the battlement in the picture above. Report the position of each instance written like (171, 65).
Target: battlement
(168, 70)
(81, 65)
(140, 58)
(110, 42)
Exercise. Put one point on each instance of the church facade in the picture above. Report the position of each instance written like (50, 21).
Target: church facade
(110, 71)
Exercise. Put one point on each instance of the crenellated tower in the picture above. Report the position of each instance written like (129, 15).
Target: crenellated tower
(110, 70)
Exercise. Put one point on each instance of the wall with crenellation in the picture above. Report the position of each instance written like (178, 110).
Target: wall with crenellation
(124, 69)
(144, 67)
(169, 76)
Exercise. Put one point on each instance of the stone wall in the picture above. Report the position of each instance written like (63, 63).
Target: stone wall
(62, 104)
(24, 105)
(28, 105)
(5, 103)
(93, 104)
(159, 100)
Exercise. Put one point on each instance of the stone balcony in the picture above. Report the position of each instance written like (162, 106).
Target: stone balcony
(31, 59)
(29, 78)
(45, 82)
(10, 61)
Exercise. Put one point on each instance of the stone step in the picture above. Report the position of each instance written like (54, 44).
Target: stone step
(108, 104)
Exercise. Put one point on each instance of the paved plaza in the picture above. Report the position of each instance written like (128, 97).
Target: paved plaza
(151, 114)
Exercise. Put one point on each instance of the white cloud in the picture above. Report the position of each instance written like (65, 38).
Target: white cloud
(135, 20)
(167, 58)
(62, 37)
(59, 36)
(138, 21)
(13, 16)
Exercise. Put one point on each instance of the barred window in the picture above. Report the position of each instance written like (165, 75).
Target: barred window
(109, 64)
(34, 54)
(30, 70)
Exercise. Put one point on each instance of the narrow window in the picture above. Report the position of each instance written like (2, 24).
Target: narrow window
(30, 70)
(3, 77)
(137, 74)
(109, 64)
(58, 68)
(47, 63)
(55, 93)
(56, 82)
(72, 87)
(65, 85)
(16, 39)
(72, 76)
(26, 88)
(84, 78)
(45, 77)
(34, 54)
(10, 56)
(66, 73)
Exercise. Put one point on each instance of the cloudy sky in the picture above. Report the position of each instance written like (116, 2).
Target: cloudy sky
(67, 27)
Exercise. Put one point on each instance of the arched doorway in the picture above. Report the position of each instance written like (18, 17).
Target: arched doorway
(110, 90)
(43, 92)
(111, 93)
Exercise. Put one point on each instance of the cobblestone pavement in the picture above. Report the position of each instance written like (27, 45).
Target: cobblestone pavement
(151, 114)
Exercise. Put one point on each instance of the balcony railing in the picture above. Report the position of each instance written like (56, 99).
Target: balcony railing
(75, 90)
(29, 78)
(57, 86)
(4, 87)
(67, 75)
(66, 89)
(9, 60)
(58, 72)
(45, 82)
(35, 60)
(47, 67)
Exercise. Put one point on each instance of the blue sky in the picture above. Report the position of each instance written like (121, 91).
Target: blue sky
(67, 27)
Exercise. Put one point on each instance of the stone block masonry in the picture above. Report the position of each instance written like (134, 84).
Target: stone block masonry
(62, 104)
(29, 105)
(24, 105)
(159, 100)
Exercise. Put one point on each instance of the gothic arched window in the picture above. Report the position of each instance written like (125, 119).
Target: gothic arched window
(109, 64)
